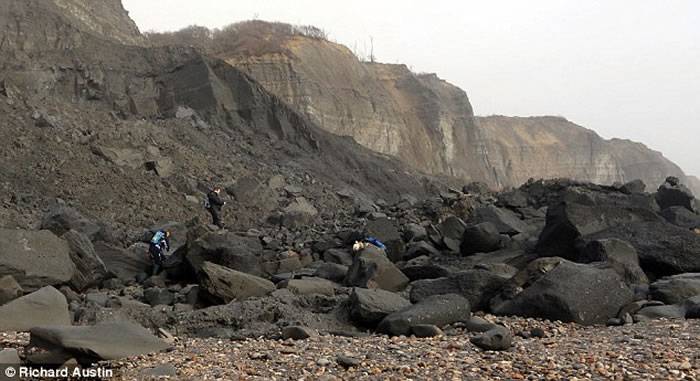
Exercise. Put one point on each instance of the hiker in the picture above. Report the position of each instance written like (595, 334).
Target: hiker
(160, 244)
(359, 246)
(214, 204)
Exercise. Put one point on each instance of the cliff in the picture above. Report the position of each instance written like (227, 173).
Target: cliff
(423, 120)
(133, 134)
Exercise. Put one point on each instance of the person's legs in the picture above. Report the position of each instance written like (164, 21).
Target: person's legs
(156, 258)
(216, 217)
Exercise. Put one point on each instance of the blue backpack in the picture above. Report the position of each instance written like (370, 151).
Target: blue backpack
(375, 242)
(158, 237)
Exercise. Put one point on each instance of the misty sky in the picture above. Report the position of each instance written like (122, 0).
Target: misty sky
(628, 69)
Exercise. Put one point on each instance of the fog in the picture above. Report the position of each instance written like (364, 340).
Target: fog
(627, 69)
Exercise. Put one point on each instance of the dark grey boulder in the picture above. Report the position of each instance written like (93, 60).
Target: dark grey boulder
(124, 264)
(617, 255)
(234, 251)
(422, 268)
(331, 271)
(227, 285)
(662, 312)
(369, 307)
(672, 193)
(372, 269)
(505, 221)
(387, 232)
(481, 238)
(414, 232)
(478, 324)
(663, 249)
(35, 258)
(478, 286)
(9, 289)
(452, 230)
(338, 256)
(692, 307)
(675, 289)
(46, 306)
(420, 248)
(681, 217)
(61, 219)
(569, 292)
(437, 310)
(105, 341)
(581, 213)
(90, 271)
(298, 333)
(498, 338)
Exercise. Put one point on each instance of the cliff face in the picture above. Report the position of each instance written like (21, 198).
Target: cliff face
(550, 147)
(126, 132)
(429, 123)
(418, 118)
(40, 25)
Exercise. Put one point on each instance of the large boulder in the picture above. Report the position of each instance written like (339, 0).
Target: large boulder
(369, 307)
(61, 219)
(46, 306)
(505, 221)
(372, 269)
(227, 249)
(498, 338)
(481, 238)
(673, 193)
(35, 258)
(124, 264)
(682, 217)
(616, 254)
(478, 286)
(9, 289)
(451, 231)
(663, 249)
(437, 310)
(675, 289)
(569, 292)
(386, 231)
(89, 268)
(104, 341)
(227, 285)
(580, 214)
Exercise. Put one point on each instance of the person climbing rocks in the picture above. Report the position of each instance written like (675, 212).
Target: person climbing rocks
(159, 245)
(214, 204)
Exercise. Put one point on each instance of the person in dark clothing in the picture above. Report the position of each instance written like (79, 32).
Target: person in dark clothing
(159, 245)
(215, 204)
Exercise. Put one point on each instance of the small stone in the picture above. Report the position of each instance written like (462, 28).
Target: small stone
(347, 361)
(297, 333)
(538, 333)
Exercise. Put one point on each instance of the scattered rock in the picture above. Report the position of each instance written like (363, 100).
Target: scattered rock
(46, 306)
(438, 310)
(297, 333)
(498, 338)
(227, 285)
(372, 269)
(105, 341)
(369, 307)
(35, 258)
(481, 238)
